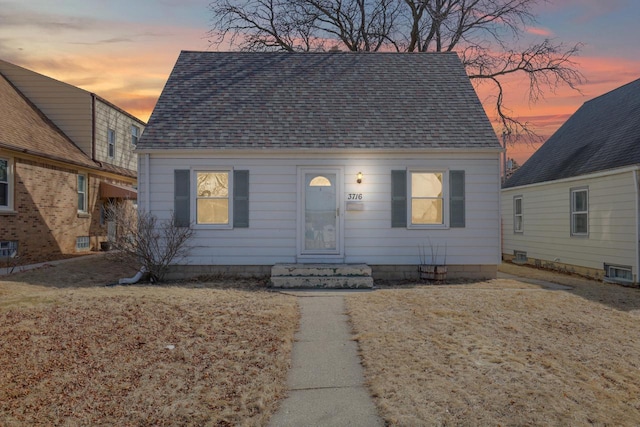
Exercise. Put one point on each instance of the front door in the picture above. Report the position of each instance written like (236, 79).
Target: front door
(320, 214)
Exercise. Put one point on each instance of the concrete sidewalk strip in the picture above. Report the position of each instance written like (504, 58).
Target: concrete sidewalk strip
(324, 364)
(327, 407)
(326, 380)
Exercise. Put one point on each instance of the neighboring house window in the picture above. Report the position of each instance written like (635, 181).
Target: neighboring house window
(5, 184)
(82, 193)
(8, 249)
(618, 273)
(580, 212)
(135, 134)
(82, 243)
(520, 257)
(427, 198)
(517, 215)
(221, 198)
(111, 143)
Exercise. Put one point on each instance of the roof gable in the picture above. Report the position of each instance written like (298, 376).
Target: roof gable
(24, 128)
(603, 134)
(244, 100)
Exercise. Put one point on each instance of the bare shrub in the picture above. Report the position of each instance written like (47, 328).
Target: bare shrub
(142, 240)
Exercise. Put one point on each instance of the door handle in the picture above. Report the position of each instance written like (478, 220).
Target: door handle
(337, 211)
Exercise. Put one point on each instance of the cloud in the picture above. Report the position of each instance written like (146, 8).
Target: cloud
(539, 31)
(12, 16)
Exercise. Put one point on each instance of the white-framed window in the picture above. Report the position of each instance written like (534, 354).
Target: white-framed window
(111, 143)
(427, 190)
(6, 184)
(618, 273)
(8, 249)
(212, 197)
(83, 243)
(82, 193)
(518, 224)
(135, 135)
(580, 211)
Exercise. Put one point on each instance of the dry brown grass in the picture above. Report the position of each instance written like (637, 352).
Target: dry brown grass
(502, 352)
(196, 354)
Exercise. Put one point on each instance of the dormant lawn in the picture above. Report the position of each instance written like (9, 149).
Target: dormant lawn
(502, 352)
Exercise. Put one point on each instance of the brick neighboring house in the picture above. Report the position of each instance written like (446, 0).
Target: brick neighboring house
(64, 153)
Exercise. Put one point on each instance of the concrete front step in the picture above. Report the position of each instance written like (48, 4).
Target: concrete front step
(321, 276)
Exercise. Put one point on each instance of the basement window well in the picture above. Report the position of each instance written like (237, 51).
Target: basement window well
(82, 243)
(618, 273)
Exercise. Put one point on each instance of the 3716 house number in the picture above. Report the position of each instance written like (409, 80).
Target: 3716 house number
(354, 196)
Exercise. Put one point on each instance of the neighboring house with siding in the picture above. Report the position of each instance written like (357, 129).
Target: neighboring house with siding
(324, 158)
(56, 167)
(574, 205)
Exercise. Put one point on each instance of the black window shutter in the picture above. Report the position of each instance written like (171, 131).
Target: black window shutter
(181, 205)
(456, 199)
(399, 198)
(241, 199)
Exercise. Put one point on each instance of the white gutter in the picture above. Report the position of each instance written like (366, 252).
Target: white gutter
(634, 168)
(399, 152)
(147, 174)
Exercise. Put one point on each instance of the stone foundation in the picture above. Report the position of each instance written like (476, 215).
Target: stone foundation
(380, 272)
(589, 273)
(411, 272)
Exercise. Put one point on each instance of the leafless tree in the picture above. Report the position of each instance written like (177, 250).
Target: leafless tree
(485, 33)
(141, 240)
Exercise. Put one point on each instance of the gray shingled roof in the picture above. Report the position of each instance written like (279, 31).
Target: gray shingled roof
(603, 134)
(318, 100)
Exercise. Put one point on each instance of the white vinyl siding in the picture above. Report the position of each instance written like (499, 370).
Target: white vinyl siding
(612, 222)
(368, 235)
(107, 117)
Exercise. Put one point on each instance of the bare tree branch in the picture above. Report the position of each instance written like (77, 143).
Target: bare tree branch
(485, 33)
(143, 241)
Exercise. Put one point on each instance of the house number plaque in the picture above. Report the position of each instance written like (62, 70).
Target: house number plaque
(354, 196)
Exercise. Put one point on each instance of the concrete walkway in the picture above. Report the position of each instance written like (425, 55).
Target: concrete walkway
(326, 381)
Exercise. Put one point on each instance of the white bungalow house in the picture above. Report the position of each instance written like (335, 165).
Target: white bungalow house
(341, 158)
(574, 205)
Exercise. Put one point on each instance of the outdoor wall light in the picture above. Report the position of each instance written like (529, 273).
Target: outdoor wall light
(359, 178)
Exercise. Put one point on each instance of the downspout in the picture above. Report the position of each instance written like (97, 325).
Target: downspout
(147, 165)
(637, 260)
(93, 127)
(134, 279)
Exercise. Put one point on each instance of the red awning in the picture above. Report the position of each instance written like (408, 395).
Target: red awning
(114, 191)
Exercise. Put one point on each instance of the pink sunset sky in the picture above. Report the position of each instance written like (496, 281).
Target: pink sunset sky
(125, 50)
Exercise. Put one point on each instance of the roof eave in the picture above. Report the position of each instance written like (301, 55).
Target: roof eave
(272, 150)
(591, 175)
